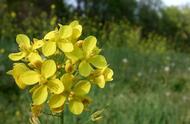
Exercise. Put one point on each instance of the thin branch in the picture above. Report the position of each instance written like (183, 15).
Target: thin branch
(51, 114)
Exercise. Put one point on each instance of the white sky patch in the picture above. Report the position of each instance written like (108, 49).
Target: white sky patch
(166, 2)
(71, 2)
(176, 2)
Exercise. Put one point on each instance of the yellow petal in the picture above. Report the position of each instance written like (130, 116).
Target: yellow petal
(76, 107)
(89, 44)
(67, 80)
(18, 69)
(48, 68)
(74, 23)
(85, 69)
(20, 84)
(108, 74)
(96, 51)
(50, 35)
(98, 61)
(76, 26)
(77, 29)
(57, 101)
(75, 55)
(34, 59)
(100, 81)
(30, 77)
(82, 87)
(37, 44)
(49, 48)
(40, 95)
(55, 86)
(57, 110)
(23, 41)
(65, 46)
(65, 31)
(17, 56)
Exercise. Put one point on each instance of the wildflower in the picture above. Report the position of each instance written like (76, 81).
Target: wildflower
(167, 69)
(60, 69)
(26, 49)
(76, 29)
(61, 38)
(44, 78)
(74, 94)
(124, 60)
(100, 76)
(139, 74)
(168, 94)
(185, 98)
(88, 56)
(70, 67)
(18, 69)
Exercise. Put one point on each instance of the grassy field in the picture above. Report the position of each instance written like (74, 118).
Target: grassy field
(147, 89)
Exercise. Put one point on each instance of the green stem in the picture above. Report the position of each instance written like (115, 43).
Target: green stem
(62, 118)
(77, 120)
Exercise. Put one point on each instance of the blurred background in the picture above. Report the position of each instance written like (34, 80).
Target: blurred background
(146, 42)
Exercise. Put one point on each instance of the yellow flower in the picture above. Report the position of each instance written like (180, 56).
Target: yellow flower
(45, 79)
(61, 38)
(77, 30)
(88, 56)
(66, 76)
(70, 67)
(18, 69)
(74, 93)
(108, 74)
(26, 49)
(100, 76)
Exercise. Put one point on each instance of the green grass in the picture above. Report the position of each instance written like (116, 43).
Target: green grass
(143, 92)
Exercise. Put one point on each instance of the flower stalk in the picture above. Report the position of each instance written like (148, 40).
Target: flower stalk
(62, 118)
(57, 82)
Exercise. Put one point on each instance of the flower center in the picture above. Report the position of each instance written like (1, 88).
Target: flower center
(43, 80)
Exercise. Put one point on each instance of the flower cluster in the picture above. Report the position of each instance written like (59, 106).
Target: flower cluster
(60, 68)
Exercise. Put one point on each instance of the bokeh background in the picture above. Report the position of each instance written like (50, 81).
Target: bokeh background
(146, 42)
